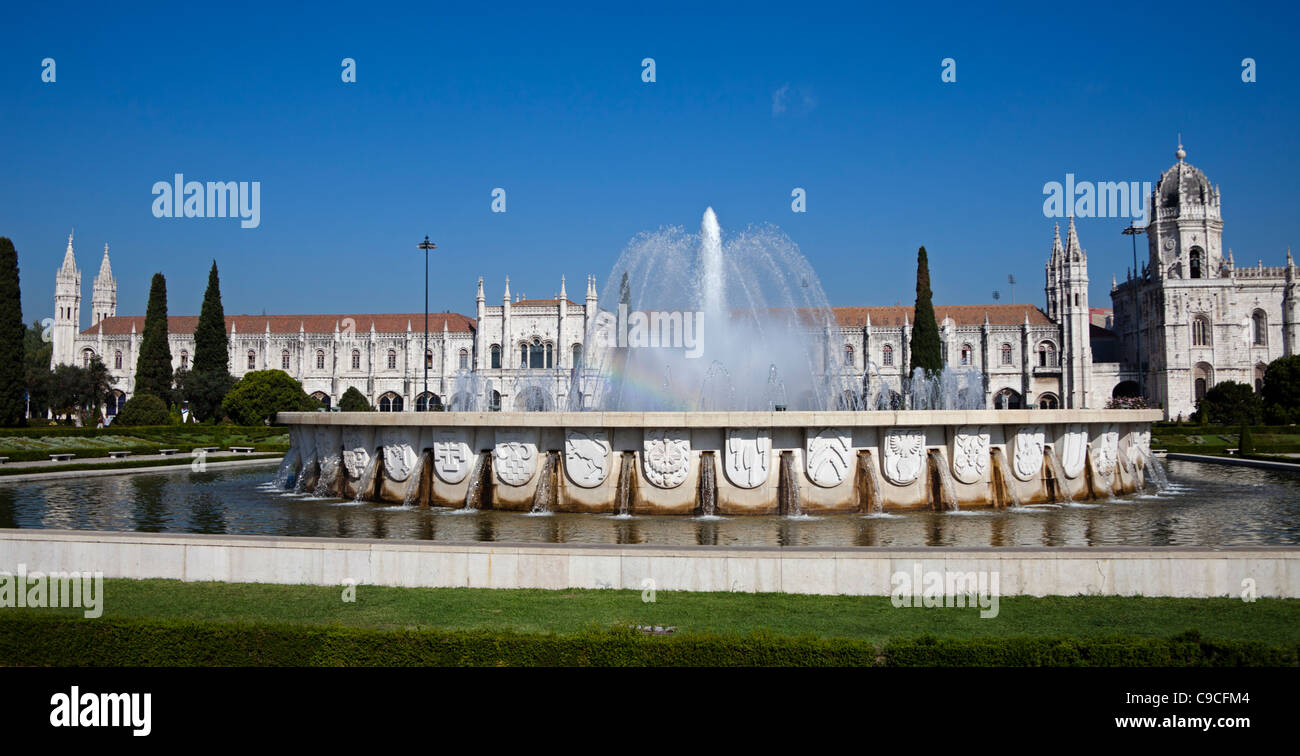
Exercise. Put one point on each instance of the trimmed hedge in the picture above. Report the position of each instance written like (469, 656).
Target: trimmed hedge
(31, 639)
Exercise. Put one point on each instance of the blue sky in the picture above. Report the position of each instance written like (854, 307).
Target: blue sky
(549, 105)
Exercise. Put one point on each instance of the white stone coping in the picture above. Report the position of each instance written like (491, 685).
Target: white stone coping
(801, 419)
(1191, 572)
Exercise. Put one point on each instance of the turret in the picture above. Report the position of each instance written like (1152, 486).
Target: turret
(103, 300)
(67, 310)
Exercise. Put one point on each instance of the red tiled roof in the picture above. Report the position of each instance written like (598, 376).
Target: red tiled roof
(999, 314)
(385, 323)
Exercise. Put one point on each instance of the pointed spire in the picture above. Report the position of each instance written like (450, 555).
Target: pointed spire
(1290, 262)
(563, 293)
(105, 268)
(507, 294)
(1056, 242)
(1072, 238)
(479, 296)
(1180, 153)
(69, 259)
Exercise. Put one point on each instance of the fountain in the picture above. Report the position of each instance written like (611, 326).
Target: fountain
(713, 387)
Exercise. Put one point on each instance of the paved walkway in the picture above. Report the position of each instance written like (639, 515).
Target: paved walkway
(105, 459)
(57, 470)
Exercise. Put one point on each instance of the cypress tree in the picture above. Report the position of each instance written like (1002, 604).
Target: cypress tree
(211, 344)
(926, 353)
(12, 334)
(153, 369)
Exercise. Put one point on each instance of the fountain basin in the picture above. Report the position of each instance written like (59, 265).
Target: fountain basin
(764, 462)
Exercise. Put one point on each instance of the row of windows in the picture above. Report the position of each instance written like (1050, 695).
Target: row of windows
(1046, 355)
(1201, 330)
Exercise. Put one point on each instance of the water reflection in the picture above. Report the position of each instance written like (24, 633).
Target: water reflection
(1205, 505)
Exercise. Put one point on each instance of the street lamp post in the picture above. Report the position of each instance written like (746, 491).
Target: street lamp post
(1132, 231)
(426, 245)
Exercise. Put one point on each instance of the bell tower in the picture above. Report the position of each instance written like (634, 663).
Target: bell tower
(1185, 230)
(67, 310)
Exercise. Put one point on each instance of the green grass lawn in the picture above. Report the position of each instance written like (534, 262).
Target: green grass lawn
(27, 444)
(1215, 439)
(867, 618)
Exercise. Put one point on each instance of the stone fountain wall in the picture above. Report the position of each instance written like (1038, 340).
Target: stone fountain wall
(836, 457)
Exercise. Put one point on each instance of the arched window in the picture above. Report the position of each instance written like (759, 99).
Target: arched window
(392, 359)
(1047, 354)
(1200, 331)
(320, 359)
(86, 356)
(356, 359)
(550, 355)
(390, 402)
(252, 359)
(495, 356)
(427, 402)
(887, 355)
(537, 354)
(523, 355)
(495, 406)
(1007, 399)
(1260, 323)
(117, 359)
(967, 353)
(1006, 354)
(464, 359)
(848, 355)
(577, 355)
(115, 401)
(323, 398)
(1195, 262)
(284, 359)
(1048, 401)
(1203, 380)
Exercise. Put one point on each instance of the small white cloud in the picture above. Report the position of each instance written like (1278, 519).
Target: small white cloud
(778, 99)
(792, 100)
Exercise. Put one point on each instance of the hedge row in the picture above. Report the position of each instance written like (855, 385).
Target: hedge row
(82, 453)
(151, 431)
(29, 639)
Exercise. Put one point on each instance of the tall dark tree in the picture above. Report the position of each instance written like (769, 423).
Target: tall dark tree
(13, 409)
(211, 344)
(1282, 390)
(211, 378)
(926, 353)
(153, 369)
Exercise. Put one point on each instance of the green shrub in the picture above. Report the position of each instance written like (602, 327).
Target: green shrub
(353, 401)
(143, 409)
(1230, 403)
(1282, 390)
(1245, 442)
(259, 395)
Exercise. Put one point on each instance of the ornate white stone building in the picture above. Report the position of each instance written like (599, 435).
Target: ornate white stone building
(1193, 316)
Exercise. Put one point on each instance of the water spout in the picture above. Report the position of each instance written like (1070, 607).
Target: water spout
(789, 502)
(626, 472)
(544, 496)
(706, 502)
(480, 481)
(366, 483)
(415, 482)
(869, 480)
(943, 489)
(1002, 473)
(1060, 488)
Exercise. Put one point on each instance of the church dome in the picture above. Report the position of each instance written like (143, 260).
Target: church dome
(1184, 184)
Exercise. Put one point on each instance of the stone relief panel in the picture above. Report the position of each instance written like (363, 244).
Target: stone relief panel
(399, 454)
(1139, 444)
(1074, 449)
(748, 458)
(451, 454)
(586, 456)
(828, 456)
(666, 456)
(1106, 449)
(1028, 456)
(970, 453)
(514, 457)
(904, 453)
(356, 454)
